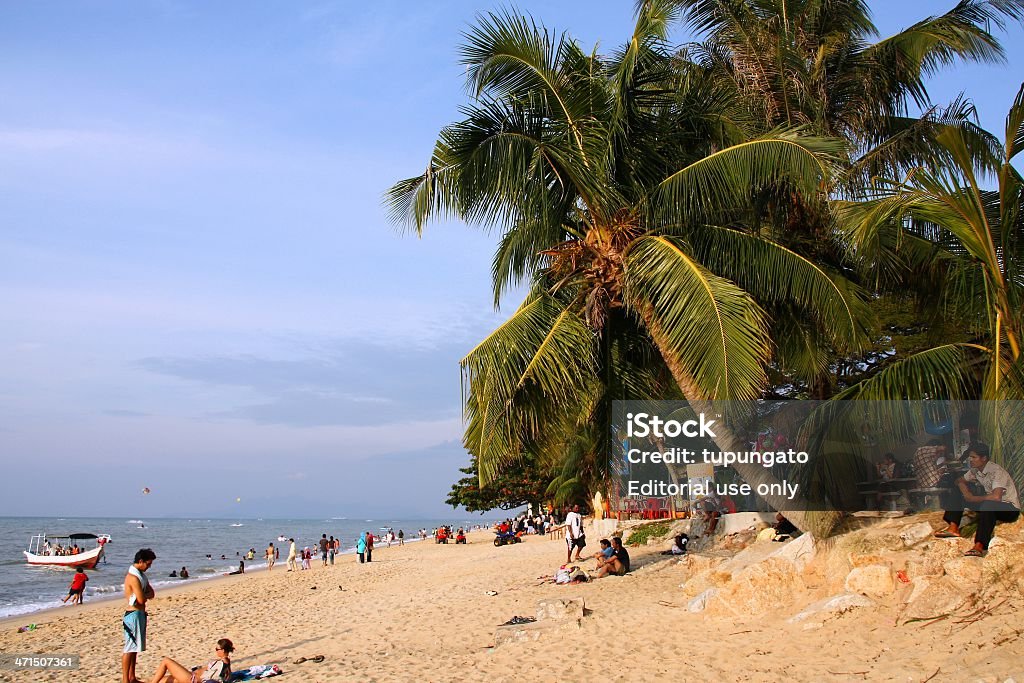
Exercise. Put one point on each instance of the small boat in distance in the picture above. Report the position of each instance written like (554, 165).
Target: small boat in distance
(42, 551)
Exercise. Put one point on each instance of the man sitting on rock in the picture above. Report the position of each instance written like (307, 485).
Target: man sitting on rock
(997, 503)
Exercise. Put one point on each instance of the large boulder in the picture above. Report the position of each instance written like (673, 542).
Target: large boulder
(935, 597)
(963, 571)
(556, 609)
(930, 558)
(874, 580)
(700, 603)
(800, 551)
(913, 534)
(837, 604)
(767, 585)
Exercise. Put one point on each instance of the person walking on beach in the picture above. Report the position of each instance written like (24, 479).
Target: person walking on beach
(77, 589)
(137, 591)
(369, 546)
(574, 537)
(330, 549)
(361, 548)
(271, 556)
(291, 555)
(323, 549)
(401, 537)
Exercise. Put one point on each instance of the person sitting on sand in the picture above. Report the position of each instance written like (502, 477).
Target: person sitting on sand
(605, 553)
(998, 501)
(218, 669)
(679, 544)
(617, 564)
(240, 570)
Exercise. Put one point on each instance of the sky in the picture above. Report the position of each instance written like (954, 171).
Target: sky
(200, 292)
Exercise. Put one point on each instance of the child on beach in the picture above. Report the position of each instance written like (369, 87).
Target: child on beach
(77, 590)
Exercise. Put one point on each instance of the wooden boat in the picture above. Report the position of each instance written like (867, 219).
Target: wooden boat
(39, 551)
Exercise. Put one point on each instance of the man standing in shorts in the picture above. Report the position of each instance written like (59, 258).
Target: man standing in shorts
(574, 537)
(137, 591)
(323, 549)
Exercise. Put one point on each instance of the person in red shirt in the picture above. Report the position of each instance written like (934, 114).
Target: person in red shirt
(77, 590)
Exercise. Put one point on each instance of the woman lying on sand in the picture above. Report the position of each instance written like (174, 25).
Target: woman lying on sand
(216, 670)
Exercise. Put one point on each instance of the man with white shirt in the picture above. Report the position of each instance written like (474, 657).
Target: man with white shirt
(998, 503)
(574, 537)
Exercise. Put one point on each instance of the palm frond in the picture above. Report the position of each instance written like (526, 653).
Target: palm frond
(705, 326)
(726, 180)
(775, 274)
(938, 372)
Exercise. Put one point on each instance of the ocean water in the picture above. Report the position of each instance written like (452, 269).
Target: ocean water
(177, 543)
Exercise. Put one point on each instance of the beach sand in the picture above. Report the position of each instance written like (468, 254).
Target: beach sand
(421, 612)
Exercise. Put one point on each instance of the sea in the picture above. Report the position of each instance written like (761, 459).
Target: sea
(208, 547)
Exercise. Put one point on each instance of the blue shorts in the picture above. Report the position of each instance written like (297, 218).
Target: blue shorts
(134, 631)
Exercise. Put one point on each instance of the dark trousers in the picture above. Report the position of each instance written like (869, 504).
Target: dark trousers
(369, 554)
(361, 558)
(989, 513)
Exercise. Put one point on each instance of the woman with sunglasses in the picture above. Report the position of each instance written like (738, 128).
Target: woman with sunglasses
(218, 669)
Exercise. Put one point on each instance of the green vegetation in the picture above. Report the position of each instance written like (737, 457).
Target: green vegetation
(640, 534)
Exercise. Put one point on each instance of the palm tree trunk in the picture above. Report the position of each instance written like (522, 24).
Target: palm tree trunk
(818, 524)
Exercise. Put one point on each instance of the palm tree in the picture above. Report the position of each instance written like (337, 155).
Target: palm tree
(622, 187)
(976, 238)
(819, 64)
(814, 63)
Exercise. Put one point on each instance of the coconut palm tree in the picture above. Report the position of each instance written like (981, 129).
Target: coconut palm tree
(622, 187)
(817, 63)
(820, 64)
(976, 238)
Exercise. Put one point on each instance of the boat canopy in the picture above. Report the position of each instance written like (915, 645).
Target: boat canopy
(74, 537)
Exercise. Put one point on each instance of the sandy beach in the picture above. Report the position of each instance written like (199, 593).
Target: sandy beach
(422, 612)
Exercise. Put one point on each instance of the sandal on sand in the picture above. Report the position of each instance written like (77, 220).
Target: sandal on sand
(974, 552)
(317, 659)
(945, 533)
(300, 660)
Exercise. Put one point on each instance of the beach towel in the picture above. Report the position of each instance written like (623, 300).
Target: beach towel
(257, 673)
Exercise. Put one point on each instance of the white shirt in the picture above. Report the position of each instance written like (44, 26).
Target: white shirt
(993, 476)
(574, 521)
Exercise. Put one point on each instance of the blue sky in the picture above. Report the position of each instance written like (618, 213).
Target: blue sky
(199, 289)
